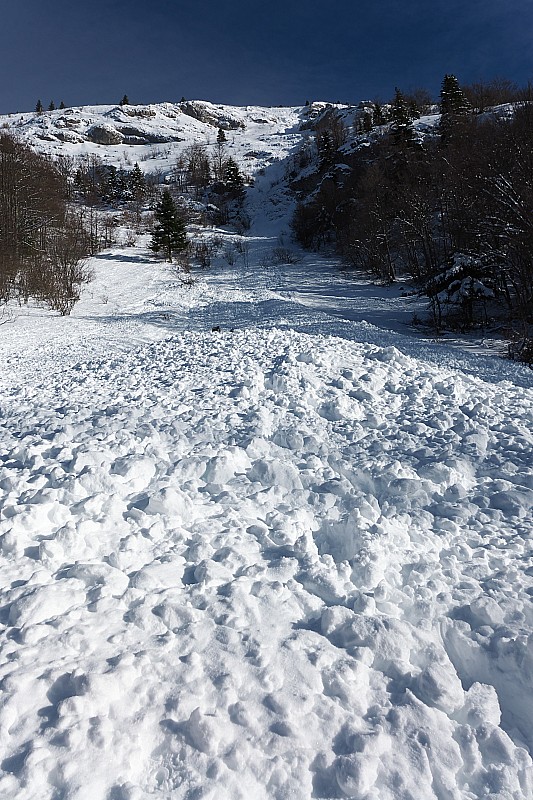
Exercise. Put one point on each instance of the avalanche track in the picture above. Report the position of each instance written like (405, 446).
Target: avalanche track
(287, 560)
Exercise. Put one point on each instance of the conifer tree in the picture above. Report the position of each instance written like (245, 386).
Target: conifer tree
(378, 115)
(39, 107)
(402, 123)
(233, 178)
(62, 105)
(109, 183)
(452, 98)
(326, 148)
(454, 107)
(137, 182)
(221, 136)
(414, 110)
(52, 106)
(169, 235)
(367, 122)
(125, 101)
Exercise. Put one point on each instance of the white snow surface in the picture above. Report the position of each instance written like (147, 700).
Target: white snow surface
(290, 559)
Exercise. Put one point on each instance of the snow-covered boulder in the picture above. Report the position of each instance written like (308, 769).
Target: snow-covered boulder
(104, 134)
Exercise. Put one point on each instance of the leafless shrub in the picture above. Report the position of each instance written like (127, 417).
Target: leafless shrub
(202, 253)
(181, 269)
(242, 223)
(205, 249)
(182, 262)
(186, 279)
(6, 315)
(130, 239)
(242, 246)
(520, 348)
(284, 255)
(230, 255)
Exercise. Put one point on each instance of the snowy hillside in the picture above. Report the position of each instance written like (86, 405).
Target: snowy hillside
(154, 135)
(287, 559)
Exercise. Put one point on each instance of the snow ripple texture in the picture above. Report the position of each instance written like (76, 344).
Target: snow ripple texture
(266, 565)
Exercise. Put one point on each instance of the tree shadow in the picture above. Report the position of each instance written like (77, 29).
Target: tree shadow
(124, 257)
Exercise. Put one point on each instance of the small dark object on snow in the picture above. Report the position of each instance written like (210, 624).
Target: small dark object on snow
(215, 329)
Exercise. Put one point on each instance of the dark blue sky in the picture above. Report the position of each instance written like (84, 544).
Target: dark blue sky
(250, 52)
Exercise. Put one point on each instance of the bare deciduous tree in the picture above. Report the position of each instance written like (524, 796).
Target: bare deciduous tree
(42, 245)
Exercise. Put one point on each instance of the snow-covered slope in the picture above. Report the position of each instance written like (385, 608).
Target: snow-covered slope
(155, 135)
(288, 559)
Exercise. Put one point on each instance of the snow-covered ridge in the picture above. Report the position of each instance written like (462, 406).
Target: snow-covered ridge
(155, 135)
(107, 129)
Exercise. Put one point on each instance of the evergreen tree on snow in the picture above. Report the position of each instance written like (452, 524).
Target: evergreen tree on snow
(402, 121)
(125, 101)
(378, 115)
(454, 107)
(137, 182)
(367, 122)
(52, 106)
(326, 148)
(452, 98)
(221, 136)
(233, 178)
(39, 107)
(169, 235)
(62, 105)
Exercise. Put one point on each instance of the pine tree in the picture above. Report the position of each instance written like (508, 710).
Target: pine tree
(52, 106)
(378, 115)
(454, 107)
(367, 122)
(109, 183)
(233, 178)
(414, 109)
(221, 136)
(62, 105)
(137, 182)
(402, 123)
(452, 97)
(326, 148)
(169, 235)
(39, 107)
(125, 101)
